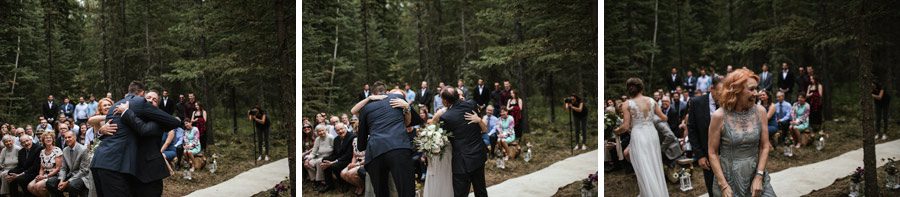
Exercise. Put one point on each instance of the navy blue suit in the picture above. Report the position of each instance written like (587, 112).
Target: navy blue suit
(151, 167)
(468, 149)
(115, 161)
(382, 134)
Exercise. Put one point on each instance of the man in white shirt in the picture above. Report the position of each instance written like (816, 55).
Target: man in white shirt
(81, 111)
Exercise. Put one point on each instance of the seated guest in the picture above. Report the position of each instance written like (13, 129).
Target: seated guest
(490, 138)
(169, 140)
(800, 120)
(354, 173)
(8, 160)
(44, 127)
(73, 176)
(191, 142)
(767, 104)
(50, 165)
(27, 169)
(340, 158)
(322, 147)
(506, 131)
(782, 115)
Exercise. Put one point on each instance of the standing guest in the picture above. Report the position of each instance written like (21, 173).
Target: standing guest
(191, 142)
(92, 106)
(322, 147)
(786, 80)
(504, 95)
(50, 109)
(50, 165)
(814, 98)
(72, 177)
(690, 82)
(166, 103)
(800, 120)
(515, 105)
(882, 106)
(465, 90)
(67, 108)
(674, 80)
(81, 111)
(704, 81)
(109, 95)
(802, 80)
(199, 119)
(438, 104)
(496, 96)
(261, 122)
(424, 97)
(410, 94)
(481, 94)
(27, 169)
(8, 161)
(365, 93)
(766, 79)
(645, 155)
(490, 137)
(339, 158)
(182, 108)
(580, 113)
(729, 69)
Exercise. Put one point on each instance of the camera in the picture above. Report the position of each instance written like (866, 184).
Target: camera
(253, 112)
(569, 100)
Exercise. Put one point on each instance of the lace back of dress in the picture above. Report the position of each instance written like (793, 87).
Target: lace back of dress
(641, 111)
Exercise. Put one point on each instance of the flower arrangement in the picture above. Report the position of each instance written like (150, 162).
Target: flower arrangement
(890, 167)
(857, 175)
(432, 139)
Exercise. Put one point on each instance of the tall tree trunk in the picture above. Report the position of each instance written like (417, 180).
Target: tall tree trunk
(48, 37)
(365, 24)
(462, 19)
(423, 64)
(334, 57)
(520, 71)
(655, 30)
(864, 54)
(286, 90)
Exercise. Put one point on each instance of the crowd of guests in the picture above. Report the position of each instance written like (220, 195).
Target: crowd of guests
(332, 158)
(53, 157)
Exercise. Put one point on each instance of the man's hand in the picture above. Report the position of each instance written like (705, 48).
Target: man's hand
(473, 117)
(109, 128)
(63, 185)
(704, 163)
(399, 103)
(121, 108)
(326, 164)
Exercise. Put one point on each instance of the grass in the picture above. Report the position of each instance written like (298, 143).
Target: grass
(841, 186)
(845, 135)
(550, 143)
(235, 153)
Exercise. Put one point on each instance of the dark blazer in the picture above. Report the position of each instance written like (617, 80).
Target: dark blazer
(68, 109)
(425, 99)
(381, 128)
(698, 125)
(674, 119)
(786, 82)
(150, 164)
(483, 97)
(118, 152)
(362, 95)
(29, 161)
(50, 111)
(342, 150)
(673, 83)
(168, 105)
(468, 147)
(690, 83)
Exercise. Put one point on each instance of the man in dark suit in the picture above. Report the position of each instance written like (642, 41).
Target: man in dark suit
(674, 80)
(690, 82)
(73, 174)
(116, 161)
(365, 93)
(151, 167)
(786, 80)
(497, 98)
(382, 134)
(166, 103)
(674, 115)
(27, 169)
(67, 108)
(424, 97)
(700, 110)
(340, 156)
(468, 148)
(482, 94)
(50, 109)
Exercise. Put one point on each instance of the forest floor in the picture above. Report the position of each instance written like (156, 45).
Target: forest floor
(841, 186)
(844, 137)
(236, 155)
(550, 143)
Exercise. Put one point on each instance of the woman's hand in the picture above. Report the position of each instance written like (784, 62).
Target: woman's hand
(473, 117)
(727, 192)
(399, 103)
(376, 97)
(756, 186)
(121, 108)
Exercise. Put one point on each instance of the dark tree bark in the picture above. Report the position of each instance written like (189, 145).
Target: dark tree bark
(864, 54)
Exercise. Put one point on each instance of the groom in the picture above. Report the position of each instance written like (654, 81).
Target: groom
(382, 134)
(700, 109)
(468, 148)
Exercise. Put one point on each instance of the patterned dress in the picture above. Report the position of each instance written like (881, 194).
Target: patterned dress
(739, 153)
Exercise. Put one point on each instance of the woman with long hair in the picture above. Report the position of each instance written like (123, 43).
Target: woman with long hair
(199, 120)
(738, 139)
(515, 106)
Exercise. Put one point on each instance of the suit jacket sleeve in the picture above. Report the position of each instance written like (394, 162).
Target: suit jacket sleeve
(347, 153)
(142, 127)
(21, 157)
(363, 133)
(149, 113)
(694, 130)
(338, 149)
(64, 169)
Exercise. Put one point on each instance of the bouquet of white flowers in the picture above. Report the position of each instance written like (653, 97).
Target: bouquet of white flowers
(432, 139)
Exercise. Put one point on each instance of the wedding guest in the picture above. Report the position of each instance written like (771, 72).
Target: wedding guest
(580, 113)
(496, 98)
(8, 160)
(814, 98)
(766, 102)
(169, 140)
(339, 159)
(73, 175)
(438, 104)
(690, 82)
(191, 141)
(354, 172)
(673, 115)
(490, 137)
(424, 98)
(481, 94)
(92, 106)
(802, 80)
(51, 163)
(44, 126)
(50, 109)
(783, 112)
(67, 108)
(81, 111)
(27, 169)
(322, 147)
(800, 120)
(465, 90)
(766, 79)
(410, 94)
(673, 80)
(515, 105)
(506, 131)
(365, 93)
(786, 80)
(704, 81)
(199, 119)
(882, 107)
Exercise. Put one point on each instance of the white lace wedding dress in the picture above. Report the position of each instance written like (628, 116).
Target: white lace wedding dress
(645, 154)
(439, 175)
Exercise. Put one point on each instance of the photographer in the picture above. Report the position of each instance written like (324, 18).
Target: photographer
(579, 115)
(261, 121)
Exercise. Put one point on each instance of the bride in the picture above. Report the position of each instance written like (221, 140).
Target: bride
(645, 154)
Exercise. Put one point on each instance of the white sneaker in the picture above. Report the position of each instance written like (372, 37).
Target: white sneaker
(259, 158)
(576, 148)
(583, 147)
(884, 137)
(267, 158)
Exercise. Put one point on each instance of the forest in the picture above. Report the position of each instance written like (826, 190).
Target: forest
(546, 49)
(231, 54)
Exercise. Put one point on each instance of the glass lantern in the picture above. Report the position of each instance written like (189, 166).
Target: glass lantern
(213, 166)
(187, 174)
(586, 192)
(789, 151)
(685, 180)
(854, 189)
(820, 143)
(891, 182)
(586, 188)
(528, 155)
